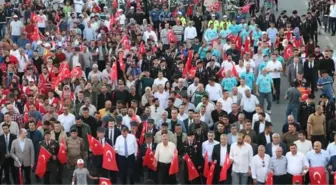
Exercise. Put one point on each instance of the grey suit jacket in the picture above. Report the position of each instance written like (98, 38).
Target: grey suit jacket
(291, 72)
(26, 157)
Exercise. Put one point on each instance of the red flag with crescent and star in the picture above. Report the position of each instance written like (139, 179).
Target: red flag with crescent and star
(42, 161)
(269, 179)
(211, 174)
(62, 155)
(221, 73)
(317, 176)
(334, 178)
(109, 158)
(288, 52)
(76, 72)
(206, 165)
(192, 171)
(174, 165)
(150, 160)
(104, 181)
(143, 132)
(188, 65)
(114, 72)
(121, 61)
(226, 166)
(297, 179)
(95, 146)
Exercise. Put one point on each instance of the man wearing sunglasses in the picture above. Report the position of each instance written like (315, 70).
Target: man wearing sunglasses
(259, 166)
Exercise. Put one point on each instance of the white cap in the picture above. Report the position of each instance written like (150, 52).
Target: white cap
(46, 45)
(263, 32)
(225, 16)
(132, 7)
(120, 10)
(80, 161)
(15, 16)
(213, 15)
(180, 13)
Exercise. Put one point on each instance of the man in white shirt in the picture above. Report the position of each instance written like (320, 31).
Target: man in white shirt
(192, 89)
(331, 149)
(160, 80)
(332, 16)
(297, 162)
(214, 90)
(149, 33)
(78, 6)
(241, 155)
(248, 104)
(66, 119)
(226, 102)
(243, 87)
(208, 145)
(16, 28)
(303, 145)
(274, 67)
(190, 32)
(127, 148)
(259, 166)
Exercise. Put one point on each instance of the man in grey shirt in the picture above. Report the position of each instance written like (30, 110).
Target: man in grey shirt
(278, 166)
(293, 96)
(164, 36)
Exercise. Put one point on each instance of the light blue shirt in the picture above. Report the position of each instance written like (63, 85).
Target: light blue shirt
(249, 78)
(210, 34)
(327, 89)
(229, 83)
(262, 65)
(318, 159)
(256, 37)
(264, 83)
(22, 144)
(272, 34)
(331, 149)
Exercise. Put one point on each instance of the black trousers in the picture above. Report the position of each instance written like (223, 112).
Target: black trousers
(8, 168)
(101, 65)
(332, 24)
(320, 138)
(218, 170)
(311, 82)
(249, 115)
(281, 179)
(59, 173)
(26, 172)
(126, 168)
(164, 177)
(276, 82)
(50, 177)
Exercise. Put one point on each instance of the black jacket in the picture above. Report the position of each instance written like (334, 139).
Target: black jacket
(262, 139)
(117, 133)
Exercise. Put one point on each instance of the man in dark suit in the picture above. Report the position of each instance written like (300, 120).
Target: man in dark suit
(261, 124)
(266, 136)
(293, 69)
(7, 166)
(148, 173)
(310, 73)
(52, 146)
(111, 132)
(276, 142)
(194, 149)
(218, 157)
(151, 127)
(187, 122)
(307, 107)
(103, 96)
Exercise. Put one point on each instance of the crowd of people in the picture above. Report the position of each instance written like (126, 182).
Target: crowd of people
(163, 80)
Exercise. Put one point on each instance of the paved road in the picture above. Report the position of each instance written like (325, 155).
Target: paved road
(278, 110)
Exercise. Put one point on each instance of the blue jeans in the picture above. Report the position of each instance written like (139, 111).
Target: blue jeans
(2, 30)
(292, 109)
(15, 38)
(268, 97)
(239, 178)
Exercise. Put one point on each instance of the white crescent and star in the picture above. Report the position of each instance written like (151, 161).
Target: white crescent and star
(108, 154)
(318, 175)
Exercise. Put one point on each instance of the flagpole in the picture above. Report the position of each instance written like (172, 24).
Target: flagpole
(20, 176)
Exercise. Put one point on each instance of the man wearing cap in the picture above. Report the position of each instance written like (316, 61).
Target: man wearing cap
(148, 173)
(15, 28)
(52, 147)
(75, 149)
(194, 150)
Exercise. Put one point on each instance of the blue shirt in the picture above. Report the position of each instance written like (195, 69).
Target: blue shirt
(327, 88)
(202, 52)
(234, 29)
(261, 66)
(229, 83)
(210, 34)
(155, 15)
(318, 159)
(249, 78)
(264, 83)
(256, 37)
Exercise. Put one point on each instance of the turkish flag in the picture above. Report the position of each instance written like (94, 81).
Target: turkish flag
(95, 146)
(297, 179)
(247, 44)
(42, 161)
(269, 179)
(221, 73)
(334, 178)
(192, 72)
(62, 155)
(109, 158)
(238, 42)
(231, 37)
(226, 166)
(174, 165)
(76, 72)
(206, 165)
(104, 181)
(246, 8)
(317, 176)
(143, 132)
(288, 52)
(115, 4)
(25, 117)
(121, 61)
(171, 37)
(234, 70)
(192, 171)
(211, 174)
(142, 49)
(64, 65)
(189, 63)
(149, 160)
(114, 72)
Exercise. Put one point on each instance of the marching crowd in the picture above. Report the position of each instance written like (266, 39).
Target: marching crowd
(165, 92)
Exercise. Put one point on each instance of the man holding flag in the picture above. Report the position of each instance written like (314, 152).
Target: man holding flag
(220, 155)
(149, 172)
(318, 160)
(194, 150)
(52, 147)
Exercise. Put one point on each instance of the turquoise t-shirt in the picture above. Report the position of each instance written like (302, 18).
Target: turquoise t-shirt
(264, 83)
(280, 59)
(262, 65)
(202, 52)
(249, 78)
(229, 83)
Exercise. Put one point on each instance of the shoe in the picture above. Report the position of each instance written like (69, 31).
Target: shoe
(333, 34)
(278, 102)
(269, 112)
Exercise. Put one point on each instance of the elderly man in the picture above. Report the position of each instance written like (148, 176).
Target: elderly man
(259, 166)
(248, 104)
(297, 163)
(271, 147)
(278, 166)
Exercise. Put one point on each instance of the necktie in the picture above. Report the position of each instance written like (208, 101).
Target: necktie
(295, 68)
(126, 149)
(111, 136)
(6, 140)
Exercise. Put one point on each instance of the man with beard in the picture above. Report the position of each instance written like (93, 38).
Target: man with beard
(327, 64)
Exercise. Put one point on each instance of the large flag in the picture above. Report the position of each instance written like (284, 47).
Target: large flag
(121, 61)
(318, 176)
(211, 174)
(109, 158)
(95, 146)
(76, 72)
(226, 166)
(234, 70)
(297, 179)
(221, 73)
(334, 178)
(288, 52)
(171, 37)
(189, 63)
(62, 155)
(174, 165)
(269, 179)
(42, 161)
(149, 160)
(206, 165)
(192, 171)
(104, 181)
